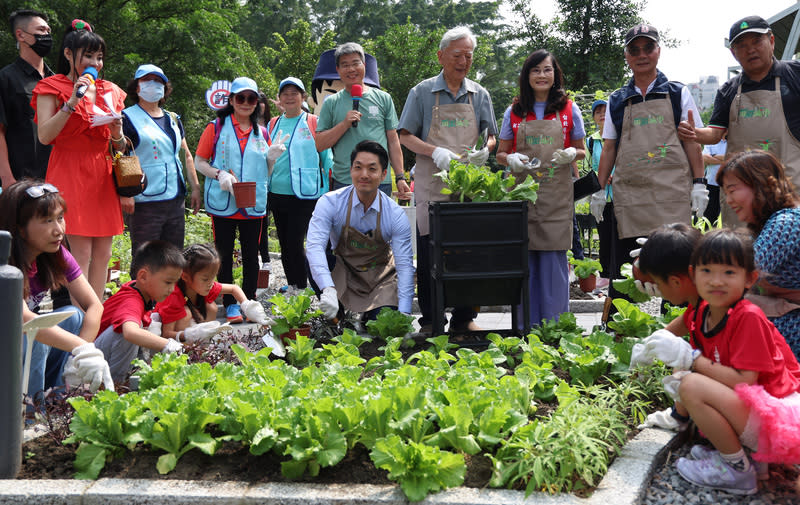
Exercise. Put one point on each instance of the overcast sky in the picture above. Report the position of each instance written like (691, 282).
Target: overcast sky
(701, 26)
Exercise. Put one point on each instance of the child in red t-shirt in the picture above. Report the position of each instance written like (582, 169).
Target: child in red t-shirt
(192, 305)
(743, 389)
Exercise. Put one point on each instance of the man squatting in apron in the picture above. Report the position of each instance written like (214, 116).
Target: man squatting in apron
(658, 178)
(370, 237)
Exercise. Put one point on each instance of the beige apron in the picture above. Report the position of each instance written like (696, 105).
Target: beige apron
(652, 180)
(550, 218)
(454, 127)
(364, 275)
(757, 121)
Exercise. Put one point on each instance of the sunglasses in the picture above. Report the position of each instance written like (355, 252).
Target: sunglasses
(647, 48)
(249, 99)
(39, 190)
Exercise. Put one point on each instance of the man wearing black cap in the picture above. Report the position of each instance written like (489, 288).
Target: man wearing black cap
(657, 178)
(759, 108)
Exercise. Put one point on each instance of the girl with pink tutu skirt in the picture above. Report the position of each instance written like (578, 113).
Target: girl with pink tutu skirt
(743, 389)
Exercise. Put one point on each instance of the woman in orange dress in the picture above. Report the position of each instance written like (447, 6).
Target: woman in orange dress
(80, 163)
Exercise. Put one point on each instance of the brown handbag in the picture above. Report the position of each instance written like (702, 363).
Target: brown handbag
(129, 178)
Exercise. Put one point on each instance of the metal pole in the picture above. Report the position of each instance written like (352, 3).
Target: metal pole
(10, 363)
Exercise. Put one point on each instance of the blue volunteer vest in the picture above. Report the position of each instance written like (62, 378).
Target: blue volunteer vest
(308, 178)
(158, 156)
(250, 166)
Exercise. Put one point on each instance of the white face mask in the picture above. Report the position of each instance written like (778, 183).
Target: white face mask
(151, 91)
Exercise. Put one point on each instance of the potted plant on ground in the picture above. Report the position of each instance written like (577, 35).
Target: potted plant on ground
(586, 272)
(292, 313)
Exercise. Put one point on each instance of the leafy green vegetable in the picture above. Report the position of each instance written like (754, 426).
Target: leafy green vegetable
(419, 468)
(292, 311)
(584, 268)
(627, 287)
(631, 321)
(479, 184)
(391, 324)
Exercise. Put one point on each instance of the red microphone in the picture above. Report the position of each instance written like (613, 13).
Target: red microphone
(356, 92)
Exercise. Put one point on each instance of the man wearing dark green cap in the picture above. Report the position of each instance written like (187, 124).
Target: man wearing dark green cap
(759, 108)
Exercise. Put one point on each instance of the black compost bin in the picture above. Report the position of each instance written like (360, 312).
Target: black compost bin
(479, 256)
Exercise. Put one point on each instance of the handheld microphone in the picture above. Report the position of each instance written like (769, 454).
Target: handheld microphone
(356, 92)
(92, 73)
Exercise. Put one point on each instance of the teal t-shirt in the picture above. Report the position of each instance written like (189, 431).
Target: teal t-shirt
(377, 116)
(281, 182)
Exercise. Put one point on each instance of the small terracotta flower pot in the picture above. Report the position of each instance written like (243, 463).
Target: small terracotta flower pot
(263, 279)
(245, 194)
(304, 330)
(588, 284)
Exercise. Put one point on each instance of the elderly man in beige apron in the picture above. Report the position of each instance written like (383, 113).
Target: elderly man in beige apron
(658, 179)
(371, 239)
(440, 121)
(759, 108)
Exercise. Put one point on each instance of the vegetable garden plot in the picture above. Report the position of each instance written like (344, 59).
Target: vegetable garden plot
(420, 417)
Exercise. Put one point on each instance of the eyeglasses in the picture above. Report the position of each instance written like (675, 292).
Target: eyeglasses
(39, 190)
(348, 66)
(542, 71)
(647, 48)
(249, 99)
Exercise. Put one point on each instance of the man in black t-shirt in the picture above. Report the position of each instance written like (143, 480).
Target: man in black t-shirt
(21, 153)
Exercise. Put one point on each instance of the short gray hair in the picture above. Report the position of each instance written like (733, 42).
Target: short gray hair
(348, 48)
(459, 32)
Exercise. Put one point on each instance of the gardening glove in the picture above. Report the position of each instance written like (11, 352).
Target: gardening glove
(226, 181)
(87, 365)
(478, 158)
(641, 356)
(636, 252)
(674, 351)
(204, 331)
(254, 312)
(172, 346)
(441, 158)
(673, 382)
(663, 419)
(648, 288)
(516, 162)
(155, 324)
(563, 156)
(597, 204)
(329, 302)
(699, 199)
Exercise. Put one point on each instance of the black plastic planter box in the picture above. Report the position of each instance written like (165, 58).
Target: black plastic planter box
(479, 256)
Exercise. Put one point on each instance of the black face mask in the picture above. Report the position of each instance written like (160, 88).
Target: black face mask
(42, 45)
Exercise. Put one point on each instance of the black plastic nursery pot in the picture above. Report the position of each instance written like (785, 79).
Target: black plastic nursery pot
(479, 256)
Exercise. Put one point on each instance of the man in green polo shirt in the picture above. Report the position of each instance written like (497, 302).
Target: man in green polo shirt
(341, 127)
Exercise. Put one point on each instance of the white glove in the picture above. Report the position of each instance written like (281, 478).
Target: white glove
(478, 158)
(329, 302)
(597, 203)
(278, 147)
(87, 365)
(255, 312)
(204, 331)
(155, 324)
(673, 382)
(172, 346)
(640, 356)
(699, 199)
(663, 419)
(226, 181)
(648, 288)
(441, 158)
(674, 351)
(516, 162)
(636, 252)
(564, 156)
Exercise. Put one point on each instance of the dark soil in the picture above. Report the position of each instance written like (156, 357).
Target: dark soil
(43, 458)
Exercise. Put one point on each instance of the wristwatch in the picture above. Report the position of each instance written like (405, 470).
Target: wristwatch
(699, 180)
(67, 108)
(398, 177)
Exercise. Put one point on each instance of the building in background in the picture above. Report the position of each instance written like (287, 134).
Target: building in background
(704, 92)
